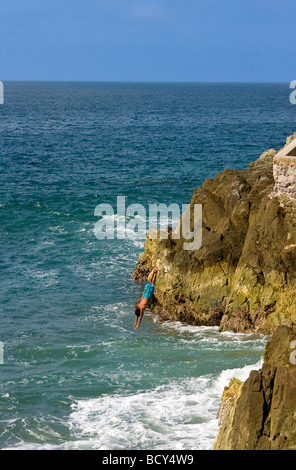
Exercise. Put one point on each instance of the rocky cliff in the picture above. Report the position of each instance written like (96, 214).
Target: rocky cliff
(260, 414)
(243, 276)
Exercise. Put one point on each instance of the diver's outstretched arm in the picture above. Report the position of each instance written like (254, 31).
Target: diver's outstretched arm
(139, 320)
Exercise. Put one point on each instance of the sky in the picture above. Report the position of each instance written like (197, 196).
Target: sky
(148, 40)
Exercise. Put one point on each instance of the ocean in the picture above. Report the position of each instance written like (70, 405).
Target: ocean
(75, 373)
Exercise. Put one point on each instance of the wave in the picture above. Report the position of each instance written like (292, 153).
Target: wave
(211, 336)
(177, 416)
(132, 228)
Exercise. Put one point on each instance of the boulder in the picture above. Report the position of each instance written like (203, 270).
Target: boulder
(262, 416)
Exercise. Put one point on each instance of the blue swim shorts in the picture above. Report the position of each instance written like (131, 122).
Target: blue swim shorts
(148, 291)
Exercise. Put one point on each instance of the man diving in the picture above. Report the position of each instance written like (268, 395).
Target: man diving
(144, 301)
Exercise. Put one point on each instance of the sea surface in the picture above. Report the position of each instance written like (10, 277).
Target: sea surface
(75, 374)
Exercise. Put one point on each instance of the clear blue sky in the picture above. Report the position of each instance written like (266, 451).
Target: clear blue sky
(148, 40)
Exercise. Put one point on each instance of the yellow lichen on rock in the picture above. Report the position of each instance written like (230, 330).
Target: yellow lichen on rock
(243, 278)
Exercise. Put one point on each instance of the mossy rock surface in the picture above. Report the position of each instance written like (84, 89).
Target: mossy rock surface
(243, 278)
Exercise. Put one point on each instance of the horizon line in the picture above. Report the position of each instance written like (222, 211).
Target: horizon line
(146, 81)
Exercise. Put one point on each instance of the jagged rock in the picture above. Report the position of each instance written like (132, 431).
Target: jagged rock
(229, 397)
(263, 415)
(243, 277)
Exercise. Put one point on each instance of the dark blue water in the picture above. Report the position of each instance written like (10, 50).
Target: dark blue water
(75, 374)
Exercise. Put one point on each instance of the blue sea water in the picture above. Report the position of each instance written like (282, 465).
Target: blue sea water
(75, 374)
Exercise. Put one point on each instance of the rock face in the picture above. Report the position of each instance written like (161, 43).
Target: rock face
(262, 415)
(229, 397)
(243, 276)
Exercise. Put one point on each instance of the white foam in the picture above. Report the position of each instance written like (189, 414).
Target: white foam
(45, 277)
(214, 338)
(183, 328)
(239, 373)
(120, 227)
(177, 416)
(59, 230)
